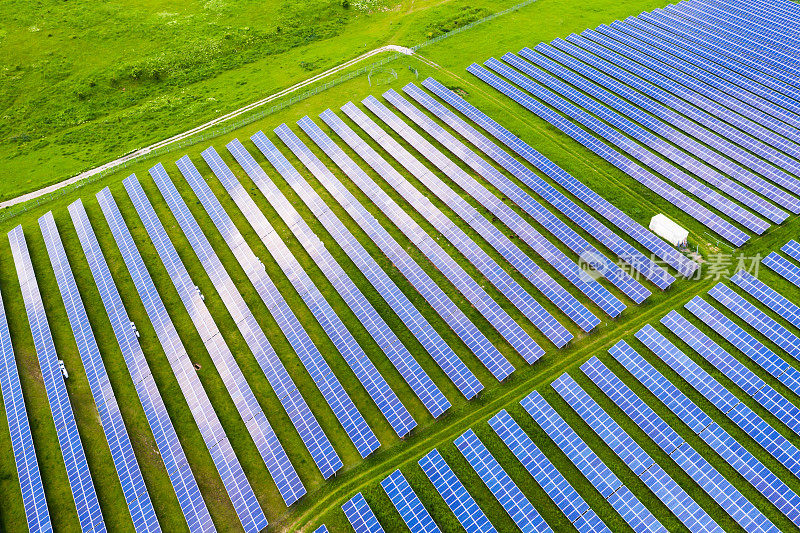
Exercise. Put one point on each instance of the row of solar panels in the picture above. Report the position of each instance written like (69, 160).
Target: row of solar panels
(684, 100)
(293, 400)
(682, 455)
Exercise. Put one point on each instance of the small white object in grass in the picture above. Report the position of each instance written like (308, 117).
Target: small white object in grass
(669, 230)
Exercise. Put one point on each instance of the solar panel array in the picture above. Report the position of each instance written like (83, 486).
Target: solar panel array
(500, 484)
(30, 480)
(314, 438)
(651, 473)
(407, 503)
(409, 368)
(180, 473)
(219, 446)
(694, 93)
(80, 479)
(454, 493)
(360, 515)
(130, 476)
(340, 402)
(684, 455)
(269, 447)
(546, 475)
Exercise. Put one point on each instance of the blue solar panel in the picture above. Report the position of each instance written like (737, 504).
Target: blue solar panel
(130, 476)
(337, 398)
(730, 110)
(30, 481)
(546, 475)
(782, 266)
(180, 474)
(271, 450)
(696, 165)
(508, 188)
(546, 250)
(407, 503)
(385, 398)
(80, 480)
(423, 386)
(651, 141)
(755, 387)
(662, 485)
(710, 85)
(502, 322)
(768, 296)
(695, 64)
(321, 529)
(684, 455)
(717, 438)
(450, 313)
(454, 494)
(591, 466)
(281, 382)
(444, 356)
(773, 442)
(502, 486)
(643, 264)
(649, 180)
(230, 470)
(745, 343)
(542, 319)
(664, 105)
(361, 516)
(763, 323)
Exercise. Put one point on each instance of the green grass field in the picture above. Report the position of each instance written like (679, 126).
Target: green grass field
(236, 53)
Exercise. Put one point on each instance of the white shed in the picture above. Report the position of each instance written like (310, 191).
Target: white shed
(668, 230)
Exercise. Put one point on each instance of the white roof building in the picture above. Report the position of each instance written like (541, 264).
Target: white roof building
(668, 230)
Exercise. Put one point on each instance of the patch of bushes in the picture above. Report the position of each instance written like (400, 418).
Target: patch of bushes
(463, 15)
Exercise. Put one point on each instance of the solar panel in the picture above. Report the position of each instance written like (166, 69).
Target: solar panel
(763, 323)
(169, 447)
(454, 494)
(721, 88)
(759, 476)
(643, 264)
(651, 142)
(743, 67)
(321, 529)
(558, 200)
(502, 322)
(80, 480)
(668, 131)
(768, 296)
(452, 314)
(267, 443)
(444, 356)
(502, 486)
(564, 233)
(731, 110)
(130, 476)
(337, 398)
(663, 486)
(664, 105)
(230, 470)
(546, 475)
(546, 250)
(385, 398)
(783, 267)
(694, 63)
(685, 456)
(423, 386)
(30, 481)
(764, 434)
(745, 343)
(755, 387)
(591, 466)
(669, 193)
(281, 382)
(407, 503)
(361, 516)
